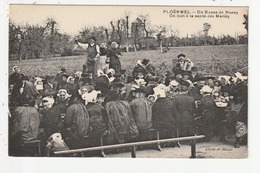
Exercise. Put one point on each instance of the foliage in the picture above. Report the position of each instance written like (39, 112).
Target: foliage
(35, 41)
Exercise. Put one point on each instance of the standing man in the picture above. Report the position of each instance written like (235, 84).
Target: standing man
(93, 52)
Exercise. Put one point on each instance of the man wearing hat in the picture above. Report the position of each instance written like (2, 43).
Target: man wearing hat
(195, 91)
(184, 110)
(142, 110)
(93, 52)
(194, 74)
(50, 87)
(206, 117)
(184, 62)
(144, 67)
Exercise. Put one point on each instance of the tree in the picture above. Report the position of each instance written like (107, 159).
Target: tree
(206, 28)
(52, 23)
(160, 36)
(36, 41)
(127, 14)
(246, 22)
(101, 33)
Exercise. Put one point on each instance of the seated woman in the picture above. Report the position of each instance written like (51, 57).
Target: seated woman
(26, 123)
(97, 116)
(142, 110)
(163, 114)
(76, 122)
(121, 124)
(51, 119)
(62, 101)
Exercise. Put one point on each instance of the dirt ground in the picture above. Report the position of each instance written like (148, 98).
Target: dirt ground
(213, 149)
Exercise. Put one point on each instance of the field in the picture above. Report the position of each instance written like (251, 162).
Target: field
(227, 59)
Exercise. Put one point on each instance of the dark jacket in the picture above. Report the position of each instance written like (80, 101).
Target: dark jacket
(163, 117)
(97, 119)
(184, 110)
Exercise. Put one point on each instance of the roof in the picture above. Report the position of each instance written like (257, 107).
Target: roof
(137, 20)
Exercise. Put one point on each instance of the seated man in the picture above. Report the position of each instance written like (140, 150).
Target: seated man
(50, 87)
(144, 67)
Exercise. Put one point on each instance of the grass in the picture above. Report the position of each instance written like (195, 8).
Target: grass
(228, 60)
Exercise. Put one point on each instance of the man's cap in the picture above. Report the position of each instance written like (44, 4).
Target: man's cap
(184, 83)
(63, 70)
(92, 38)
(145, 61)
(194, 69)
(118, 84)
(181, 55)
(140, 90)
(65, 75)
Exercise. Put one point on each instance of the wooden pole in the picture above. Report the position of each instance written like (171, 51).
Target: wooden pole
(193, 149)
(213, 65)
(133, 152)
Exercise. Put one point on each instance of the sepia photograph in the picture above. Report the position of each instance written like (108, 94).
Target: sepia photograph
(128, 81)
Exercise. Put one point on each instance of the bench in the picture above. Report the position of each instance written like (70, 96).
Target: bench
(33, 143)
(133, 146)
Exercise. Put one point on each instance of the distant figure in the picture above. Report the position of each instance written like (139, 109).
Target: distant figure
(114, 55)
(93, 52)
(101, 63)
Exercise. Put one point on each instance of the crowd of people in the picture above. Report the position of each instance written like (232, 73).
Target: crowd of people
(69, 111)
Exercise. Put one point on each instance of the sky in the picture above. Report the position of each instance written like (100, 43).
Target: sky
(71, 19)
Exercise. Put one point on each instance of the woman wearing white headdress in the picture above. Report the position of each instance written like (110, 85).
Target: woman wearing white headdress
(51, 120)
(114, 55)
(97, 114)
(14, 77)
(162, 113)
(62, 101)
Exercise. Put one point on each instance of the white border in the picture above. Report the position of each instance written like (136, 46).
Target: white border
(250, 165)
